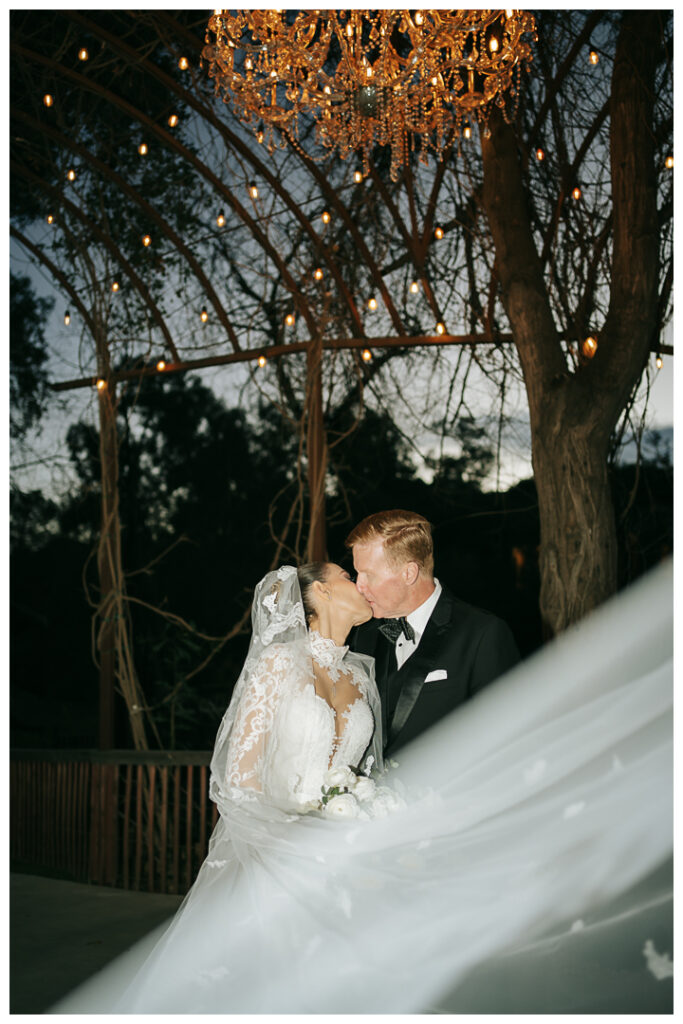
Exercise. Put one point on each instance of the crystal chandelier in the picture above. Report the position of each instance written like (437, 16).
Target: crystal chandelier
(410, 80)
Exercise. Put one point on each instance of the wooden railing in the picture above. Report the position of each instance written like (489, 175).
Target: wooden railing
(119, 817)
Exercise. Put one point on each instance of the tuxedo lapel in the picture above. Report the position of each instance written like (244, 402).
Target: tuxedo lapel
(412, 674)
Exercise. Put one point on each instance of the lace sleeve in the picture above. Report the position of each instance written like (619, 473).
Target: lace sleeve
(253, 725)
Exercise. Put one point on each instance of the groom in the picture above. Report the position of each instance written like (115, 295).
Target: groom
(432, 651)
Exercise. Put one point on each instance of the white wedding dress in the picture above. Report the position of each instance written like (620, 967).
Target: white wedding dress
(524, 816)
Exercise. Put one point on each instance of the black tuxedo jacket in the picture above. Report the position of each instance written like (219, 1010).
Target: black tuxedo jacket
(465, 647)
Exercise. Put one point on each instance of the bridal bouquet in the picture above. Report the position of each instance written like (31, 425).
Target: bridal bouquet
(346, 794)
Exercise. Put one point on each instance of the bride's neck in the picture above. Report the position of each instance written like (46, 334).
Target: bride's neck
(331, 627)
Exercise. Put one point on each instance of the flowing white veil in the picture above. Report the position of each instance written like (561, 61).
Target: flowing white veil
(528, 811)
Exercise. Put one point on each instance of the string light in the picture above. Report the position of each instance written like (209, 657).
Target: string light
(67, 318)
(146, 240)
(101, 384)
(576, 193)
(204, 316)
(48, 99)
(589, 347)
(372, 303)
(318, 275)
(71, 174)
(366, 355)
(183, 63)
(659, 361)
(161, 365)
(325, 217)
(262, 361)
(83, 53)
(253, 190)
(440, 328)
(669, 163)
(173, 120)
(289, 319)
(220, 220)
(142, 149)
(414, 287)
(593, 57)
(358, 177)
(115, 286)
(438, 233)
(467, 132)
(50, 218)
(540, 155)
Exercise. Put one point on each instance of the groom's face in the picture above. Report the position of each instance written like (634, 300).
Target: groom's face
(380, 583)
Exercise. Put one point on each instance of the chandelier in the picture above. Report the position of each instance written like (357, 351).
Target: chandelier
(411, 80)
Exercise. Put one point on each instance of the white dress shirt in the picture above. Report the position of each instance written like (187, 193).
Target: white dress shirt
(418, 619)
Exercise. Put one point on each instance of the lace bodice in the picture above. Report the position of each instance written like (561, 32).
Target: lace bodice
(287, 735)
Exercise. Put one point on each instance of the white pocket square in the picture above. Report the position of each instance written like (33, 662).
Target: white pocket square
(438, 673)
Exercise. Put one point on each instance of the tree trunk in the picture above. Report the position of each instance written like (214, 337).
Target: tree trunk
(316, 452)
(573, 410)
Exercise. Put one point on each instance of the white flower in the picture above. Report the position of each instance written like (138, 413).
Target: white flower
(342, 806)
(386, 802)
(342, 778)
(364, 788)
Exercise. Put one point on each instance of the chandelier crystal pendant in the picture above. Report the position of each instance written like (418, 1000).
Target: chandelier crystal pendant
(405, 79)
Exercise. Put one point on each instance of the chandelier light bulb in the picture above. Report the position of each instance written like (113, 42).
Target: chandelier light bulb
(204, 316)
(115, 286)
(146, 240)
(220, 219)
(372, 303)
(589, 347)
(576, 193)
(50, 218)
(318, 275)
(358, 177)
(71, 174)
(83, 53)
(67, 318)
(414, 287)
(467, 132)
(183, 63)
(48, 99)
(593, 57)
(659, 361)
(253, 190)
(161, 365)
(142, 149)
(669, 163)
(494, 44)
(289, 319)
(540, 155)
(438, 233)
(325, 217)
(101, 384)
(262, 361)
(173, 120)
(440, 328)
(366, 355)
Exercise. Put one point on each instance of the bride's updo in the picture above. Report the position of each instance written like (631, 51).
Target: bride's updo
(312, 572)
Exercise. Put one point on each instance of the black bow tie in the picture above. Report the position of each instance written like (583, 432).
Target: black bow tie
(392, 629)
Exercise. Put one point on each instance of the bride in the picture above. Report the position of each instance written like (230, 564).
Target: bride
(505, 832)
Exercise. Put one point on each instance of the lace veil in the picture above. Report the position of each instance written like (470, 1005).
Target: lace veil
(278, 666)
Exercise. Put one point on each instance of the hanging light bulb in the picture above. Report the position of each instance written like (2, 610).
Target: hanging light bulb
(220, 220)
(115, 286)
(318, 274)
(366, 355)
(142, 149)
(204, 316)
(289, 319)
(593, 57)
(253, 190)
(50, 218)
(83, 53)
(358, 177)
(325, 217)
(414, 287)
(440, 328)
(372, 303)
(576, 193)
(101, 384)
(48, 99)
(589, 347)
(71, 174)
(183, 63)
(669, 162)
(67, 318)
(438, 233)
(262, 361)
(659, 361)
(161, 365)
(467, 132)
(540, 155)
(493, 44)
(146, 240)
(260, 137)
(173, 120)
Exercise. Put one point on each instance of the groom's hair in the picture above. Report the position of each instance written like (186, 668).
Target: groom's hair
(407, 537)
